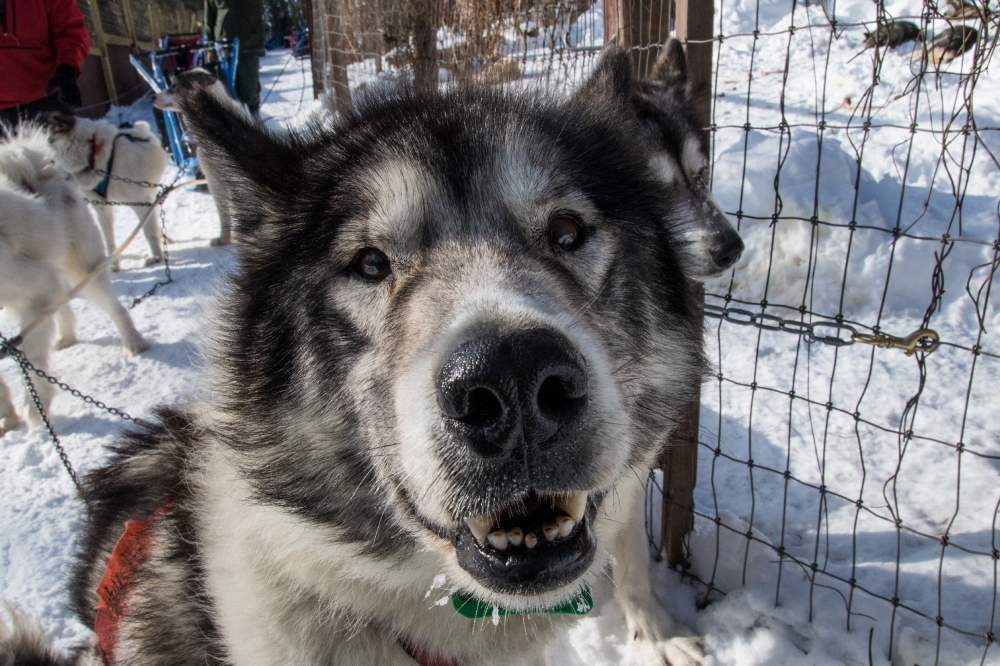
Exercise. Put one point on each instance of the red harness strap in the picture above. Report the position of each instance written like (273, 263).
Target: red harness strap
(423, 657)
(112, 592)
(95, 148)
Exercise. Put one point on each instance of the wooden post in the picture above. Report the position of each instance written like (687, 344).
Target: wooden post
(680, 460)
(642, 26)
(315, 64)
(425, 61)
(337, 57)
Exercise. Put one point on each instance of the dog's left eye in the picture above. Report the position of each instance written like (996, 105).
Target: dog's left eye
(564, 232)
(372, 264)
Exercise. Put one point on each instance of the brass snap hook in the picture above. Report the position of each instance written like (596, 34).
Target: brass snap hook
(925, 340)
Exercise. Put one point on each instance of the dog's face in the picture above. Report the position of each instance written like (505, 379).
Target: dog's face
(708, 242)
(460, 320)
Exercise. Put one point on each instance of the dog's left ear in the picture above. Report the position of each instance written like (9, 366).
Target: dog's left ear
(257, 169)
(670, 69)
(611, 80)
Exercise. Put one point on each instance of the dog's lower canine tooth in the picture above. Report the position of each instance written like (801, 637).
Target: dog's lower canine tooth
(498, 540)
(575, 504)
(550, 531)
(530, 539)
(480, 527)
(515, 536)
(565, 525)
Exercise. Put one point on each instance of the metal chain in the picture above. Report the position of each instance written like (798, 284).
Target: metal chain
(923, 340)
(25, 366)
(129, 181)
(8, 348)
(166, 262)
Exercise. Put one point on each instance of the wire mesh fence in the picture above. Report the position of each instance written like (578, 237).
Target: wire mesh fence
(867, 198)
(847, 148)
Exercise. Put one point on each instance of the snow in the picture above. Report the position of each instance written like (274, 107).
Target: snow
(763, 608)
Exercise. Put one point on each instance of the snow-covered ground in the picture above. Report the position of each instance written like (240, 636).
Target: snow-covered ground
(770, 612)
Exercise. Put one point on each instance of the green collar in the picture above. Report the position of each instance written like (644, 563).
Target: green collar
(469, 606)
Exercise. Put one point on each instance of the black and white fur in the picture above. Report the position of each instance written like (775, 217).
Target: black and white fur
(48, 240)
(326, 476)
(143, 159)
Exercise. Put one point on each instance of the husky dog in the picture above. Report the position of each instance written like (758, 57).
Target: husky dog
(709, 243)
(192, 79)
(459, 335)
(93, 149)
(947, 45)
(47, 238)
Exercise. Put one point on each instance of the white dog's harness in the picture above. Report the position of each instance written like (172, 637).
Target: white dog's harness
(97, 146)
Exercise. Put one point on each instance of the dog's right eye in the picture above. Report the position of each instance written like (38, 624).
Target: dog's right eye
(372, 264)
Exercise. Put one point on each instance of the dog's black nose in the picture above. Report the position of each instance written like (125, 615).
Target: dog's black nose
(727, 249)
(498, 391)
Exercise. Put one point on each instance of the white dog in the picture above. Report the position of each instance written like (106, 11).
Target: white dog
(92, 149)
(47, 238)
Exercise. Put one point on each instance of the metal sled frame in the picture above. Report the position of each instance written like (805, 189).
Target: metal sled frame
(166, 63)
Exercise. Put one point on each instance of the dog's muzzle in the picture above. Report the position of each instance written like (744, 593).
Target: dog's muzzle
(505, 397)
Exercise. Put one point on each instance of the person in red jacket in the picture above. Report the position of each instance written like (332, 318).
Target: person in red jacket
(42, 45)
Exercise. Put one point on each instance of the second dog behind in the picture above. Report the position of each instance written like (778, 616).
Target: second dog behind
(95, 152)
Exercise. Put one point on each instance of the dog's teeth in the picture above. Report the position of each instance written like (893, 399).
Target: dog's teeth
(498, 540)
(551, 531)
(575, 504)
(480, 526)
(565, 525)
(515, 536)
(530, 539)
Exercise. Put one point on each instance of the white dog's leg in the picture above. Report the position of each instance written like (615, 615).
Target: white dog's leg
(106, 219)
(152, 230)
(8, 415)
(66, 321)
(36, 348)
(102, 294)
(658, 639)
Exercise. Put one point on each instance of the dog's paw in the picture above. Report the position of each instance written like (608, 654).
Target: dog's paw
(677, 651)
(8, 423)
(65, 341)
(135, 347)
(220, 241)
(153, 260)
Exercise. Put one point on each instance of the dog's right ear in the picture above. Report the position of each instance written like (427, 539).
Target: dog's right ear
(257, 170)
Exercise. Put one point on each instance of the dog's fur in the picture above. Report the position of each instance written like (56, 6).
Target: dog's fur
(47, 239)
(320, 485)
(203, 79)
(83, 146)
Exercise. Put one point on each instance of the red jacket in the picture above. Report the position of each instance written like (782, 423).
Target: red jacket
(35, 37)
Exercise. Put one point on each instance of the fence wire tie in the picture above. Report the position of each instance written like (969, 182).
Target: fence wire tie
(925, 340)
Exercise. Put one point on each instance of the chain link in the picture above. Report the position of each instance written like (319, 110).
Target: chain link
(924, 340)
(8, 347)
(166, 260)
(769, 322)
(129, 181)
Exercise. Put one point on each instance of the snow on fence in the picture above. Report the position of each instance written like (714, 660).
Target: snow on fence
(847, 457)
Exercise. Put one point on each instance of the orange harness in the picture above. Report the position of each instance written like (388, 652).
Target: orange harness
(112, 592)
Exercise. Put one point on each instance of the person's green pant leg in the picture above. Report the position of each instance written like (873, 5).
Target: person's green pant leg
(247, 81)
